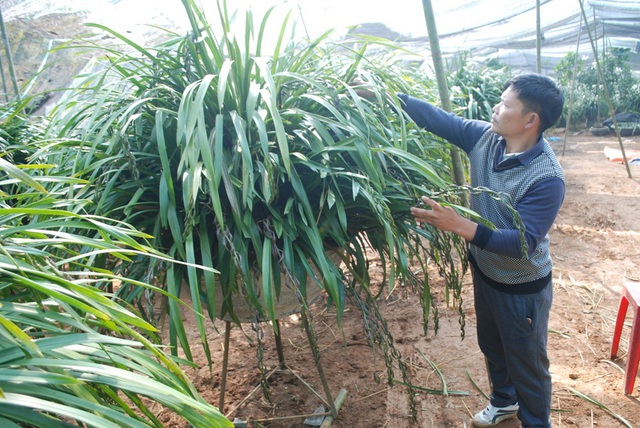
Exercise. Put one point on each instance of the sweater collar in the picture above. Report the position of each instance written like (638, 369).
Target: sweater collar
(501, 163)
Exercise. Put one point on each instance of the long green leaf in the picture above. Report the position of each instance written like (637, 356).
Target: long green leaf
(16, 172)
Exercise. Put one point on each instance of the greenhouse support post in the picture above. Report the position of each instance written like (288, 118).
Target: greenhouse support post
(538, 39)
(443, 89)
(4, 82)
(606, 92)
(573, 86)
(7, 48)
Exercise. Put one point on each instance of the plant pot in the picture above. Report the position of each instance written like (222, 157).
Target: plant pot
(628, 132)
(288, 303)
(599, 131)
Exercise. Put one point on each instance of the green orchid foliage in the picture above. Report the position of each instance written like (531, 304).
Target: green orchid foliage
(254, 163)
(71, 354)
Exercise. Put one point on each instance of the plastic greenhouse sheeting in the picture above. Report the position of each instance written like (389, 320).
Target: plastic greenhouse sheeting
(501, 29)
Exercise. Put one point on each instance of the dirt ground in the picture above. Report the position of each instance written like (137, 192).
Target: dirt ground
(596, 247)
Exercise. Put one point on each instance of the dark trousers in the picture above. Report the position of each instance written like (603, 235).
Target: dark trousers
(512, 334)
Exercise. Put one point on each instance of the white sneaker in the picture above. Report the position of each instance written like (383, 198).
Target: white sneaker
(492, 416)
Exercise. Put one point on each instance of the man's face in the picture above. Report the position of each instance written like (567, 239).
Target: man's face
(509, 117)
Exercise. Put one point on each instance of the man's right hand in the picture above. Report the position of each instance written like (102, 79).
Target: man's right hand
(362, 88)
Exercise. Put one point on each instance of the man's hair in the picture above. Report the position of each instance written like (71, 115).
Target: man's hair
(539, 94)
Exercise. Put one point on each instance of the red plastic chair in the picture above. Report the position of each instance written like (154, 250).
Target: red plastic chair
(630, 295)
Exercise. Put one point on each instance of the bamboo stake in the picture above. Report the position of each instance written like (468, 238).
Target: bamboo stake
(328, 421)
(573, 85)
(4, 82)
(7, 48)
(443, 89)
(225, 363)
(538, 39)
(606, 92)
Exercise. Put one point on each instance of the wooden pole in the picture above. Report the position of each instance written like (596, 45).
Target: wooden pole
(606, 92)
(4, 81)
(225, 364)
(573, 86)
(328, 421)
(316, 356)
(7, 48)
(538, 39)
(443, 89)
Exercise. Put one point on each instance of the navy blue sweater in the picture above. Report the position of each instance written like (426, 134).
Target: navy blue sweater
(534, 181)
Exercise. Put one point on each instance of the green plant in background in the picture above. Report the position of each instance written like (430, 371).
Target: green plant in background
(589, 106)
(623, 87)
(476, 87)
(568, 66)
(69, 353)
(17, 136)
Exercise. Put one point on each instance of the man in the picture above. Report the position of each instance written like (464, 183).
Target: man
(512, 291)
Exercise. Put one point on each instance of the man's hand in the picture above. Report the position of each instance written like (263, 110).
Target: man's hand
(444, 218)
(362, 88)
